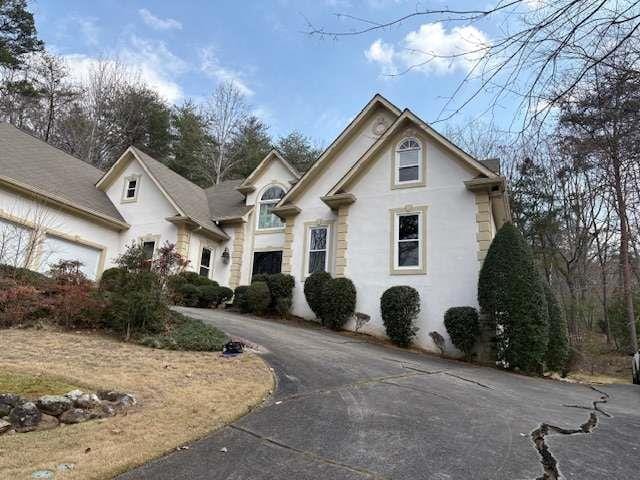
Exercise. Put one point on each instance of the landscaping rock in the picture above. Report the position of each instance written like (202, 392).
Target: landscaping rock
(54, 404)
(47, 422)
(113, 396)
(4, 426)
(73, 395)
(10, 399)
(5, 409)
(108, 409)
(77, 415)
(87, 401)
(25, 417)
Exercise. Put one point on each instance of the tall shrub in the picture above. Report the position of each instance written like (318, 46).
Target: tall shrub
(400, 306)
(258, 298)
(338, 302)
(313, 291)
(511, 295)
(558, 347)
(463, 327)
(240, 298)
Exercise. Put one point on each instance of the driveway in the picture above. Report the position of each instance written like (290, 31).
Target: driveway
(348, 409)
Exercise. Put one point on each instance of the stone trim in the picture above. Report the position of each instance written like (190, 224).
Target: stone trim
(183, 240)
(237, 249)
(287, 248)
(483, 220)
(341, 241)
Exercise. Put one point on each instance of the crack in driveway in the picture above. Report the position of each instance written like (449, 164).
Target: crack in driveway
(538, 436)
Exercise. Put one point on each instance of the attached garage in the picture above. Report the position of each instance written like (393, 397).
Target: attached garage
(56, 249)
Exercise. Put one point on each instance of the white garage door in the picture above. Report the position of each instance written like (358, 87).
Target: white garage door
(14, 243)
(56, 249)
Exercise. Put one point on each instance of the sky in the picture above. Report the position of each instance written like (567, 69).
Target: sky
(292, 80)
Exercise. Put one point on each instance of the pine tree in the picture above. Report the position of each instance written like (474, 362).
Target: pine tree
(511, 295)
(558, 347)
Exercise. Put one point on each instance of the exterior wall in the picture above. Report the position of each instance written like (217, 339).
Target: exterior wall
(451, 240)
(220, 271)
(57, 221)
(314, 209)
(147, 214)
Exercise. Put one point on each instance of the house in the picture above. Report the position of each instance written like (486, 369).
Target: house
(389, 202)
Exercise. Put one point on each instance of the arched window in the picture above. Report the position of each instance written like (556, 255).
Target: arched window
(408, 164)
(268, 200)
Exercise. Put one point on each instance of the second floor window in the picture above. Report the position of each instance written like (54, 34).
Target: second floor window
(408, 164)
(268, 220)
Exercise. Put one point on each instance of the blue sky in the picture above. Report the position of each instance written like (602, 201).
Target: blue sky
(292, 80)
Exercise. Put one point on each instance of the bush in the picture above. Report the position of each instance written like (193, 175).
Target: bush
(619, 328)
(207, 295)
(240, 298)
(224, 295)
(193, 290)
(281, 290)
(558, 348)
(258, 298)
(313, 291)
(21, 305)
(189, 295)
(112, 278)
(400, 306)
(511, 295)
(339, 302)
(184, 333)
(463, 327)
(24, 276)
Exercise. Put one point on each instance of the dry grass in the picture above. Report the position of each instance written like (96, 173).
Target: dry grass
(182, 396)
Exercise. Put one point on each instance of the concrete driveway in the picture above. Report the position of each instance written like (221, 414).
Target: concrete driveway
(348, 409)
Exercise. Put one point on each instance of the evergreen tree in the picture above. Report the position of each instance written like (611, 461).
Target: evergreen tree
(511, 295)
(17, 33)
(249, 146)
(298, 150)
(558, 347)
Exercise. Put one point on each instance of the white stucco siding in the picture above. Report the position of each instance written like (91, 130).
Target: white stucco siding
(274, 173)
(219, 270)
(58, 221)
(147, 215)
(451, 261)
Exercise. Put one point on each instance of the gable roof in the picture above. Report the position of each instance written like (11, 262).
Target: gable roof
(377, 101)
(408, 117)
(246, 186)
(186, 197)
(33, 166)
(226, 202)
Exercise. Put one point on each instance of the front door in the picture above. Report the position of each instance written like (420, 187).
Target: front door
(267, 262)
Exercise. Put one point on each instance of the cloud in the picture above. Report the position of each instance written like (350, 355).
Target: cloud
(431, 50)
(210, 65)
(89, 29)
(151, 60)
(158, 23)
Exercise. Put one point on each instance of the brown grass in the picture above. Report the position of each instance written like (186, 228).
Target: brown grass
(182, 396)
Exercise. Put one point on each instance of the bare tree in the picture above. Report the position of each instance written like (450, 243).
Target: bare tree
(226, 112)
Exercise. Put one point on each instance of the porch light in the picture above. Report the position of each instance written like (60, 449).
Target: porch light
(225, 255)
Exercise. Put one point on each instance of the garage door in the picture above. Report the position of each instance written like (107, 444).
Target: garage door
(14, 243)
(56, 249)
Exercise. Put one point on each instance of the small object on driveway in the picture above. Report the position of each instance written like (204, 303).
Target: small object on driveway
(224, 450)
(232, 348)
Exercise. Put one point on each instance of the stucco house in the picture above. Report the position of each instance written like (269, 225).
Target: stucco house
(389, 202)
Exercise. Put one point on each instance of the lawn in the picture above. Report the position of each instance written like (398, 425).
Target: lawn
(181, 397)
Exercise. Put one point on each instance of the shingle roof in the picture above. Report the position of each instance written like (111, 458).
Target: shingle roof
(225, 202)
(189, 197)
(52, 172)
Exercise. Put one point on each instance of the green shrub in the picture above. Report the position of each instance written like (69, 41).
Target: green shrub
(558, 347)
(338, 302)
(400, 306)
(281, 290)
(313, 291)
(112, 278)
(463, 327)
(240, 298)
(189, 294)
(208, 295)
(224, 295)
(24, 276)
(258, 298)
(184, 333)
(511, 295)
(260, 277)
(618, 325)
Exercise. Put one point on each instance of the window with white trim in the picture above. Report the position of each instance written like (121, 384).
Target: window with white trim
(149, 248)
(205, 261)
(130, 191)
(317, 249)
(267, 220)
(408, 241)
(408, 168)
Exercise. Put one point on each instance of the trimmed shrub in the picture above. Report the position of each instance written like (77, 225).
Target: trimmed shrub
(184, 333)
(112, 278)
(463, 327)
(240, 298)
(281, 290)
(208, 295)
(511, 295)
(400, 306)
(258, 298)
(189, 295)
(313, 291)
(224, 295)
(558, 347)
(338, 302)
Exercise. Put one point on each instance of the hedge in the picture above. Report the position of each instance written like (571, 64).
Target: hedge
(258, 298)
(313, 291)
(400, 306)
(184, 333)
(338, 302)
(463, 327)
(240, 300)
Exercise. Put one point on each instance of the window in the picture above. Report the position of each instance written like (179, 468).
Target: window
(205, 262)
(408, 249)
(267, 262)
(130, 192)
(408, 166)
(269, 199)
(149, 248)
(318, 249)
